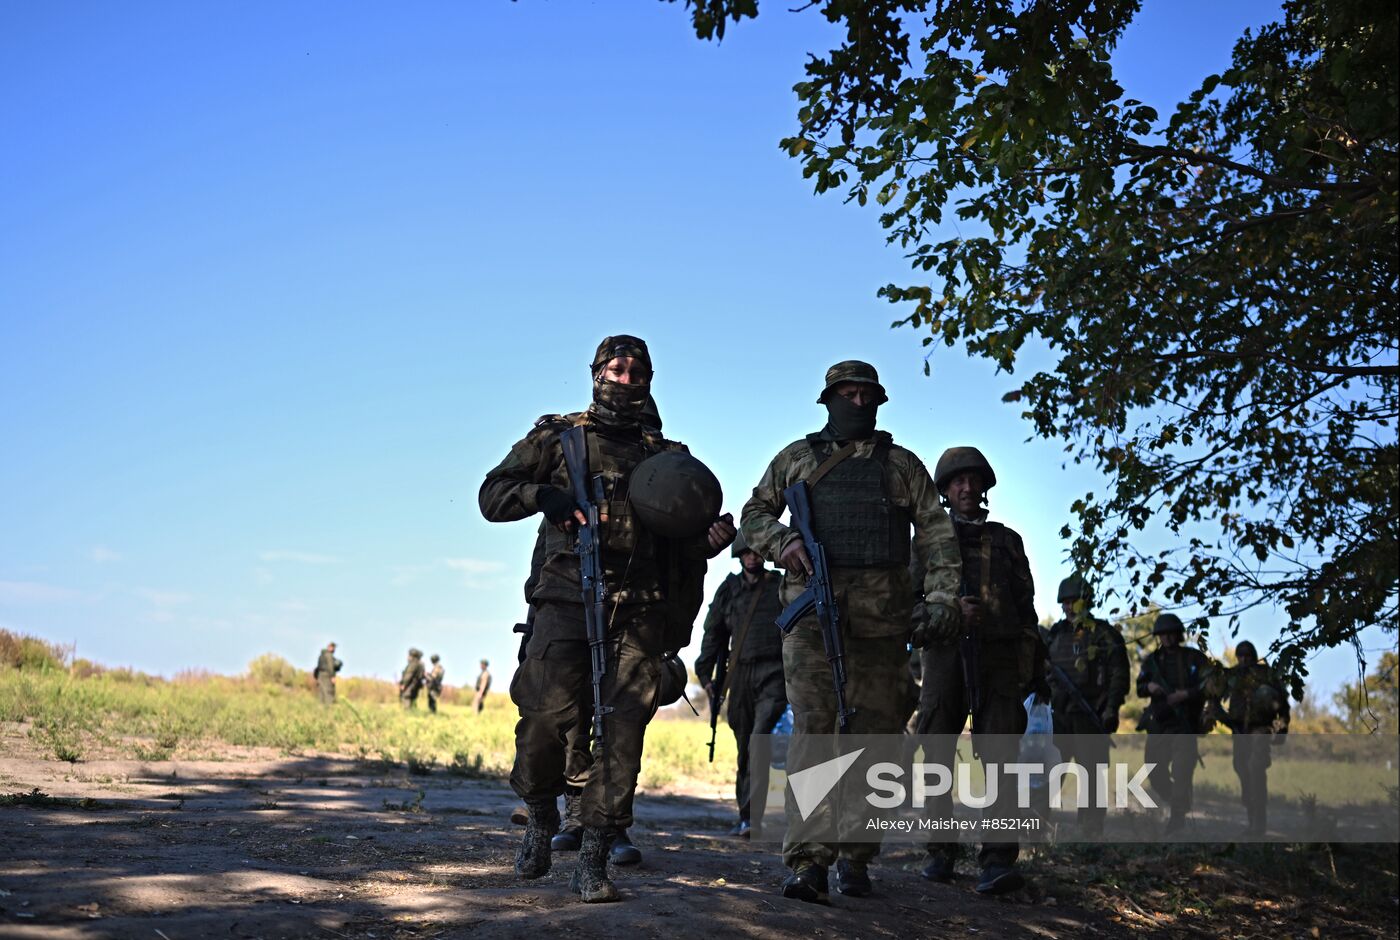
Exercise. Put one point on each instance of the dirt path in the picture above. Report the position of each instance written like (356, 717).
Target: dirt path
(322, 847)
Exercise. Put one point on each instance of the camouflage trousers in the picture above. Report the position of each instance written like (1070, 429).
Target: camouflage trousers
(1081, 742)
(1173, 779)
(878, 689)
(999, 720)
(325, 690)
(1252, 757)
(553, 690)
(757, 699)
(408, 698)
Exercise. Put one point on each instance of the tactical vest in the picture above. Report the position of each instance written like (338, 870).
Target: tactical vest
(764, 640)
(1082, 652)
(1180, 668)
(629, 550)
(988, 556)
(852, 513)
(1255, 700)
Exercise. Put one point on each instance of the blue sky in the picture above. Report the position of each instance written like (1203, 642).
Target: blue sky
(279, 283)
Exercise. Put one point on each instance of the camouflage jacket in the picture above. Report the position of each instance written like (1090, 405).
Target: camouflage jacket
(997, 573)
(1094, 658)
(633, 566)
(1255, 696)
(435, 678)
(726, 618)
(412, 677)
(327, 665)
(875, 601)
(1179, 669)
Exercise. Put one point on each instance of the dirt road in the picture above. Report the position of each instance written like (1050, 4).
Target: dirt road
(323, 847)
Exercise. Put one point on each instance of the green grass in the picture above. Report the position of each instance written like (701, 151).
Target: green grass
(127, 715)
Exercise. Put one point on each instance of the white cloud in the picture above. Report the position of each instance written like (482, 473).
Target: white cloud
(35, 592)
(104, 555)
(303, 558)
(294, 606)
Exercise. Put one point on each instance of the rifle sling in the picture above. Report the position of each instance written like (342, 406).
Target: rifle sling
(744, 628)
(829, 464)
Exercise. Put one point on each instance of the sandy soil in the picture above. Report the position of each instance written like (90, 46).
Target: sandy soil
(326, 847)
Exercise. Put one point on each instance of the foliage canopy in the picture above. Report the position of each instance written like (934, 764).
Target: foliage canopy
(1217, 289)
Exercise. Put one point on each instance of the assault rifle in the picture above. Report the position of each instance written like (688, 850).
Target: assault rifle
(588, 493)
(1077, 699)
(970, 646)
(819, 595)
(719, 686)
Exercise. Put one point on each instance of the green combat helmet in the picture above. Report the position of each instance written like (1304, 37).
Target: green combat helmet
(673, 680)
(1168, 623)
(740, 545)
(1075, 588)
(675, 495)
(957, 460)
(852, 370)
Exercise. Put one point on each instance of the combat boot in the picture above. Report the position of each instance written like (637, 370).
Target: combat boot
(532, 858)
(623, 852)
(572, 833)
(852, 878)
(590, 878)
(807, 883)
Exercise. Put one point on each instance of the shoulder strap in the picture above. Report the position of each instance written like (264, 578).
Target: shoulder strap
(827, 465)
(748, 622)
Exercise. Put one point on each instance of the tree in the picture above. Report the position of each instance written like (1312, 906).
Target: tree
(1373, 702)
(1217, 290)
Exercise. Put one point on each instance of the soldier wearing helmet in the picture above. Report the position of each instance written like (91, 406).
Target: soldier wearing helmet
(412, 679)
(433, 684)
(866, 495)
(1090, 658)
(742, 640)
(1173, 676)
(1249, 699)
(653, 593)
(987, 671)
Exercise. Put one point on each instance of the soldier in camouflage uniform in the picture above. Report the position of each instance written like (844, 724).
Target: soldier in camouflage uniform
(412, 679)
(740, 628)
(990, 670)
(866, 491)
(644, 575)
(1093, 657)
(1251, 701)
(324, 674)
(434, 685)
(1173, 676)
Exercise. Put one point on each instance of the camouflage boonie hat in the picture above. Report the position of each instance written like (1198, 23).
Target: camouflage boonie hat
(739, 546)
(621, 345)
(1168, 623)
(415, 652)
(852, 370)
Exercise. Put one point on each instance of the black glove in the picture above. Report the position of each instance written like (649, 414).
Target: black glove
(1110, 720)
(556, 505)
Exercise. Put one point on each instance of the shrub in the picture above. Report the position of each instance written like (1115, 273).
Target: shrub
(28, 652)
(271, 669)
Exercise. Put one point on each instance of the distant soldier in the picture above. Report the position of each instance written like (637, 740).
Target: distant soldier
(1088, 674)
(483, 686)
(740, 628)
(435, 683)
(324, 673)
(1173, 677)
(412, 679)
(866, 492)
(990, 670)
(1251, 701)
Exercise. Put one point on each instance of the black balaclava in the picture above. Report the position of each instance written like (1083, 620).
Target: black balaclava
(849, 421)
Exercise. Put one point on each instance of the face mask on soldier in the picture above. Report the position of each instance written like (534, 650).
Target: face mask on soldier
(850, 421)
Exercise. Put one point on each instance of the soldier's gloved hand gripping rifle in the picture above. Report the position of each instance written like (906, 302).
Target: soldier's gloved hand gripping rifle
(819, 595)
(588, 493)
